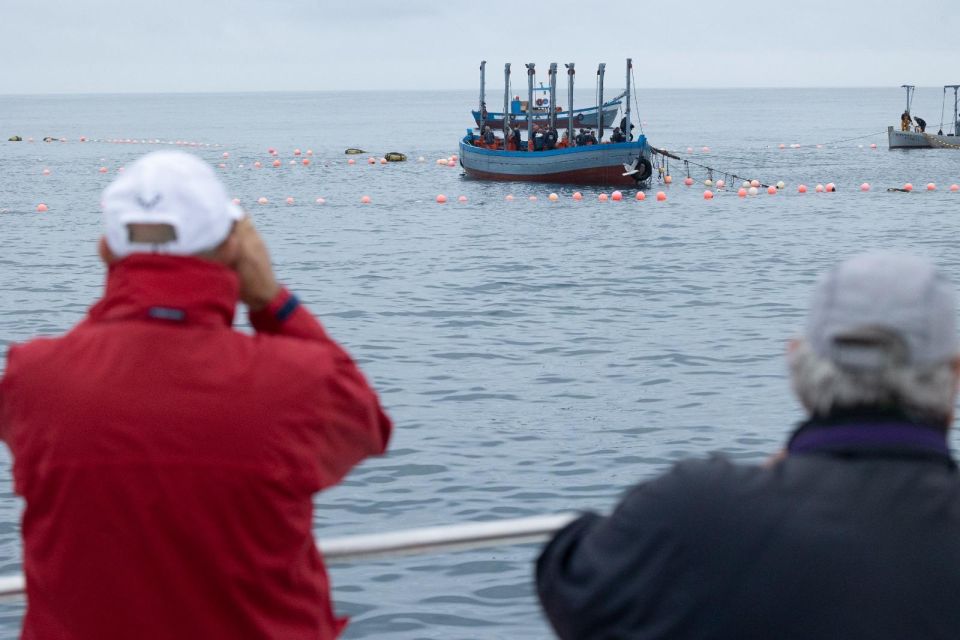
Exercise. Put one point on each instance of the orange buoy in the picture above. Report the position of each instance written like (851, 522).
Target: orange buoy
(705, 149)
(371, 160)
(873, 145)
(276, 163)
(908, 187)
(533, 198)
(688, 181)
(931, 186)
(383, 161)
(509, 198)
(742, 192)
(296, 152)
(708, 195)
(954, 187)
(351, 161)
(721, 184)
(451, 163)
(365, 200)
(272, 151)
(819, 188)
(577, 195)
(616, 196)
(661, 196)
(46, 172)
(755, 183)
(222, 166)
(462, 199)
(689, 149)
(553, 197)
(42, 208)
(667, 179)
(226, 154)
(103, 169)
(802, 188)
(441, 199)
(257, 164)
(783, 146)
(603, 197)
(641, 196)
(831, 187)
(865, 186)
(262, 200)
(772, 190)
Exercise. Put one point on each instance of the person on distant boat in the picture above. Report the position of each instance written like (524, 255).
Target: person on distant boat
(538, 138)
(623, 128)
(550, 139)
(169, 462)
(617, 135)
(590, 138)
(581, 138)
(516, 139)
(565, 140)
(905, 121)
(489, 140)
(853, 531)
(921, 124)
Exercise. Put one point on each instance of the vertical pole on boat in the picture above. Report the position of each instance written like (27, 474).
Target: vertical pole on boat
(600, 71)
(570, 74)
(956, 113)
(506, 102)
(553, 95)
(909, 88)
(530, 73)
(626, 111)
(483, 90)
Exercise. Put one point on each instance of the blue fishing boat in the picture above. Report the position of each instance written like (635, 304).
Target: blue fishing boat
(625, 162)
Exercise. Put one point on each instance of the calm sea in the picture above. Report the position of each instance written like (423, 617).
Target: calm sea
(537, 356)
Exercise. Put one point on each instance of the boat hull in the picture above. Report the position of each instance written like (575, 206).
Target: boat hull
(582, 118)
(915, 140)
(601, 164)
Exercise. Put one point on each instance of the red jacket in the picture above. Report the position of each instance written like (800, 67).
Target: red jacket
(168, 462)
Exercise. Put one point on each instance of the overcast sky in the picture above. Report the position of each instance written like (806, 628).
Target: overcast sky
(54, 46)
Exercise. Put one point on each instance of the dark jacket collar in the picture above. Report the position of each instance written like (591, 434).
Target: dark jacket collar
(178, 289)
(871, 433)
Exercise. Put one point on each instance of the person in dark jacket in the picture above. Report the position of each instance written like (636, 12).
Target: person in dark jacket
(517, 140)
(853, 531)
(169, 462)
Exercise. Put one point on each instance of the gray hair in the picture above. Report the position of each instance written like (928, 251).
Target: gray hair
(924, 393)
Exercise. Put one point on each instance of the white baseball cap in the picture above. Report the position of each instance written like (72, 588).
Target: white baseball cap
(174, 188)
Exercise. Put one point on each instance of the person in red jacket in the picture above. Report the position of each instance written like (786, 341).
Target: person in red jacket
(169, 462)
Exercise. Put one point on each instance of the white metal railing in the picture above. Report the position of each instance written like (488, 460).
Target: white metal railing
(453, 537)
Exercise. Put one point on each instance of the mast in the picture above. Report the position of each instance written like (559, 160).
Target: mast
(570, 74)
(553, 95)
(483, 88)
(626, 112)
(909, 88)
(506, 101)
(600, 71)
(956, 114)
(530, 73)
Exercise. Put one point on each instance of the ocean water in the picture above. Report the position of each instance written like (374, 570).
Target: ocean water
(536, 356)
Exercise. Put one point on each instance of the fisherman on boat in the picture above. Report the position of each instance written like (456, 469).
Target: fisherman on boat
(617, 135)
(853, 531)
(550, 139)
(537, 141)
(516, 142)
(905, 121)
(489, 140)
(921, 124)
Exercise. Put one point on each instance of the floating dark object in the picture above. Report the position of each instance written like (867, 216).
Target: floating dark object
(395, 156)
(353, 152)
(14, 139)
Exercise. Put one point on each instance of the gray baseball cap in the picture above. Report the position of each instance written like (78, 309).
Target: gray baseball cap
(880, 308)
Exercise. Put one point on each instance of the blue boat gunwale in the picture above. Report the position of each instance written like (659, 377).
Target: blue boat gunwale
(639, 145)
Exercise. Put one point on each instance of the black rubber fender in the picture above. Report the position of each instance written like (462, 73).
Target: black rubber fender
(644, 169)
